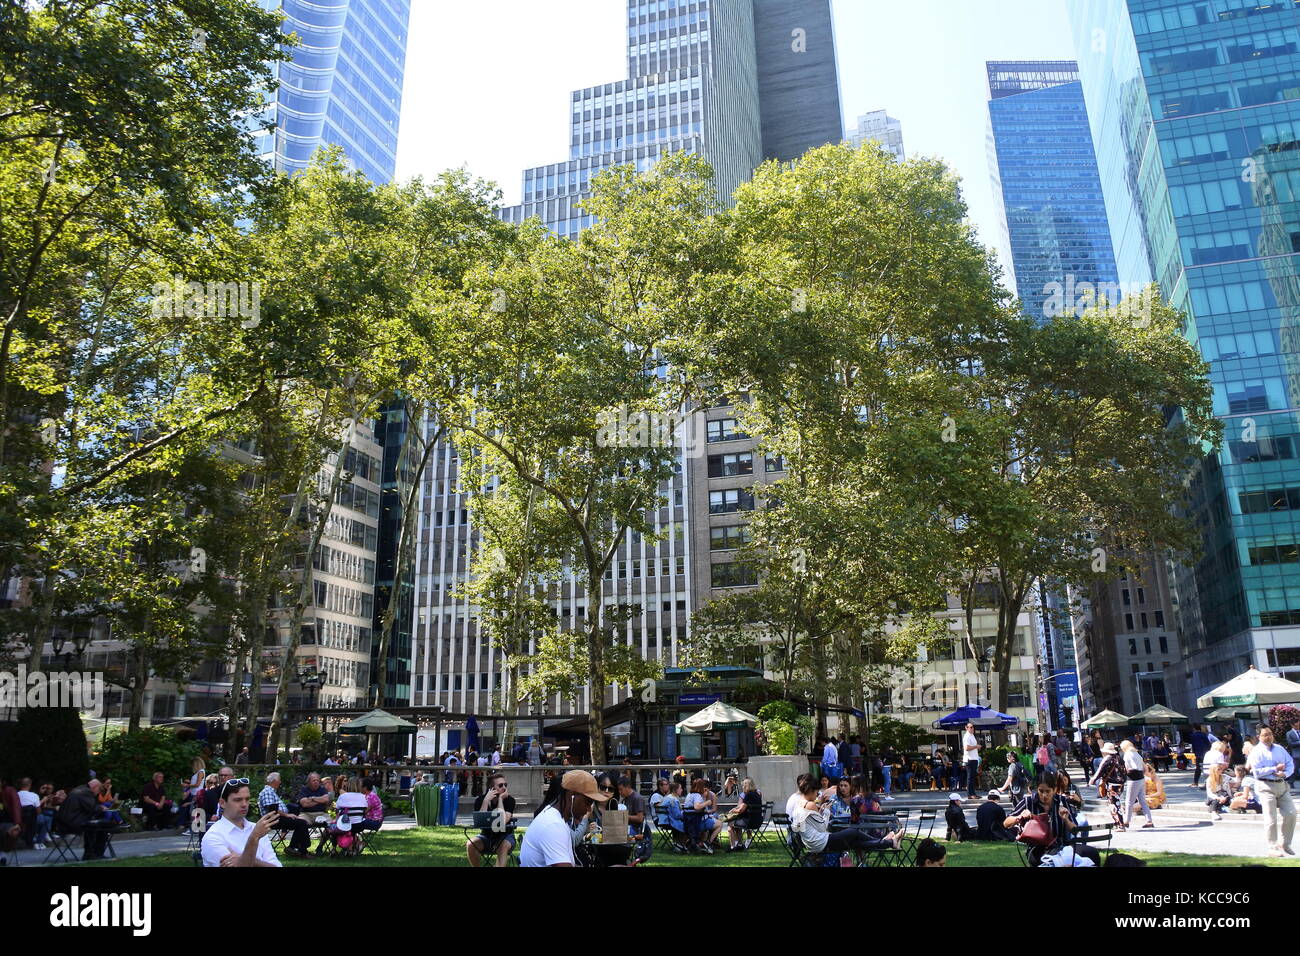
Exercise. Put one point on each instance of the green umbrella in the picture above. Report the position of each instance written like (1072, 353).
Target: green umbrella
(717, 716)
(377, 722)
(1104, 720)
(1156, 714)
(1252, 689)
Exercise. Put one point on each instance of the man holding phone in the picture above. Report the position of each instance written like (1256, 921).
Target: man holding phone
(1271, 766)
(499, 838)
(232, 840)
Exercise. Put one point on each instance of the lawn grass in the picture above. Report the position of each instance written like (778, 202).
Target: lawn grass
(445, 847)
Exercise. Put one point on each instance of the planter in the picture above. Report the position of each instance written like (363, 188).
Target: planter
(775, 775)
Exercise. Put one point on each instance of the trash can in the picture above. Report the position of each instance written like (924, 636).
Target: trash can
(449, 804)
(424, 800)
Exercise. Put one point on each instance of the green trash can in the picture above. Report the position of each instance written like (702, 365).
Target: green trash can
(424, 799)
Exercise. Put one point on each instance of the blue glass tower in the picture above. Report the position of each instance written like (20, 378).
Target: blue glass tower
(1196, 110)
(343, 86)
(1042, 164)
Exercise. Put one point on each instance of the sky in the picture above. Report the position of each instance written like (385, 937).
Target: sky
(488, 83)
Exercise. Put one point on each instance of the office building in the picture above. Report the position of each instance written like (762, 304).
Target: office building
(1195, 109)
(1044, 173)
(881, 128)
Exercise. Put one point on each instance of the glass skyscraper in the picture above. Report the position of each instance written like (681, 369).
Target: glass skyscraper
(1044, 171)
(1196, 113)
(343, 86)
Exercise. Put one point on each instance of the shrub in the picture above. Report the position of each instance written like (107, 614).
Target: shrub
(781, 710)
(45, 743)
(309, 737)
(132, 758)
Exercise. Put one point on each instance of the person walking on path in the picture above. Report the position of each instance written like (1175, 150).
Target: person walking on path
(1271, 766)
(1201, 741)
(1135, 784)
(971, 758)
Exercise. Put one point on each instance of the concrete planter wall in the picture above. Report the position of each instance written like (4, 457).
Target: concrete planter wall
(775, 776)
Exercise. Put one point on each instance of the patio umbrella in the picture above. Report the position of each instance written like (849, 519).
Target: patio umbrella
(377, 722)
(1156, 714)
(982, 717)
(471, 729)
(1104, 720)
(1228, 713)
(1254, 688)
(717, 716)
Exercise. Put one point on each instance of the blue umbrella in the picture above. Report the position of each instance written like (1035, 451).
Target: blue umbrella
(981, 717)
(471, 728)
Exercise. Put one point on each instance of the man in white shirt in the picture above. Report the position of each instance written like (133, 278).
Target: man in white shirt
(496, 757)
(232, 840)
(971, 756)
(549, 838)
(1271, 766)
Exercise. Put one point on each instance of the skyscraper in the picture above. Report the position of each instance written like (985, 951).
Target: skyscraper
(1042, 165)
(737, 81)
(343, 86)
(879, 127)
(1196, 113)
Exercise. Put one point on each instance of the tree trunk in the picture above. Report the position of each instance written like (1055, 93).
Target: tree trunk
(139, 677)
(596, 650)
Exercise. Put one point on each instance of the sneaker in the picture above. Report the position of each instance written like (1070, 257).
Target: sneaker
(1288, 851)
(39, 846)
(707, 849)
(1148, 826)
(1276, 851)
(888, 797)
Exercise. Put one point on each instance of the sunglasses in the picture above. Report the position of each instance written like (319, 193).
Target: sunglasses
(233, 784)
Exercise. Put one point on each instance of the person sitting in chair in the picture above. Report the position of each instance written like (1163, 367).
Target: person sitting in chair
(498, 839)
(1046, 804)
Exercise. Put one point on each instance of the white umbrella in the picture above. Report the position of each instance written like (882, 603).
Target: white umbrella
(717, 716)
(1252, 689)
(1155, 714)
(1105, 719)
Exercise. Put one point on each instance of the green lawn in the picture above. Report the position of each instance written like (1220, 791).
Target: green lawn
(445, 847)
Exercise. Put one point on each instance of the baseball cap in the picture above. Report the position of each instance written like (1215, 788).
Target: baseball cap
(954, 796)
(582, 782)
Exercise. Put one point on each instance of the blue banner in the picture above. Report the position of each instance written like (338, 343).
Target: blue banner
(1067, 684)
(698, 700)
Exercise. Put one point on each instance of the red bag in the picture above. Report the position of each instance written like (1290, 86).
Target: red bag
(1036, 832)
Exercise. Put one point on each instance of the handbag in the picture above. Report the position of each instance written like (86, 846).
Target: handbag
(1036, 831)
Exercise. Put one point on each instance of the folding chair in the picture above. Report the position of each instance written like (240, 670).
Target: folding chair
(61, 844)
(482, 820)
(753, 826)
(924, 828)
(887, 855)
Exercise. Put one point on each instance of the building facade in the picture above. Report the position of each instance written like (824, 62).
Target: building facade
(1195, 109)
(343, 86)
(1044, 172)
(881, 128)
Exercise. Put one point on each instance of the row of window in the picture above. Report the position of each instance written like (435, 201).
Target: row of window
(741, 463)
(634, 568)
(1274, 499)
(1171, 16)
(1146, 641)
(361, 465)
(350, 531)
(341, 600)
(344, 564)
(352, 495)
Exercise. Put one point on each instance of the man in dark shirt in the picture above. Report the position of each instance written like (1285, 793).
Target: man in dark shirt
(989, 819)
(499, 837)
(313, 798)
(81, 813)
(636, 822)
(212, 796)
(1200, 746)
(157, 808)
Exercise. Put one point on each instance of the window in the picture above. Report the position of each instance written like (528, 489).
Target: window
(774, 464)
(1160, 622)
(1273, 554)
(1133, 646)
(724, 429)
(1126, 597)
(727, 538)
(1144, 625)
(1142, 596)
(1274, 499)
(1146, 642)
(1283, 657)
(733, 499)
(728, 466)
(1164, 644)
(1128, 622)
(733, 574)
